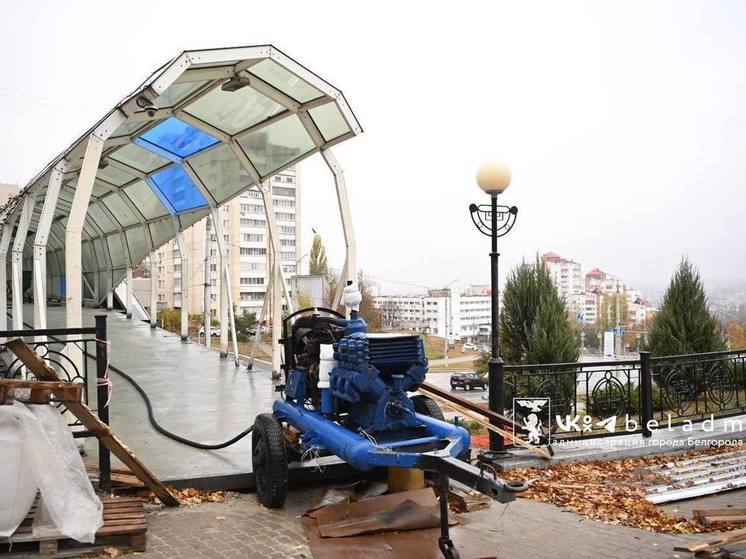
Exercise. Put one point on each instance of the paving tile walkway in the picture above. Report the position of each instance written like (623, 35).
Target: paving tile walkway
(240, 528)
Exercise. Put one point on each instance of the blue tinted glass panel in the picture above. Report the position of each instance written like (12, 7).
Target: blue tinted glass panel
(178, 189)
(178, 137)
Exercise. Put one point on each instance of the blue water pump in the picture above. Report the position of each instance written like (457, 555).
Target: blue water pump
(346, 393)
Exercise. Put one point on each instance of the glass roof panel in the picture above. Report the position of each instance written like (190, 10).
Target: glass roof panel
(277, 144)
(284, 80)
(127, 128)
(116, 251)
(119, 210)
(147, 202)
(233, 111)
(101, 219)
(177, 189)
(114, 176)
(190, 218)
(178, 137)
(176, 92)
(221, 173)
(136, 244)
(139, 158)
(161, 231)
(87, 256)
(98, 245)
(329, 121)
(100, 190)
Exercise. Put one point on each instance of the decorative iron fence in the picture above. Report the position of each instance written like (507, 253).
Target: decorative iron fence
(57, 346)
(695, 386)
(621, 397)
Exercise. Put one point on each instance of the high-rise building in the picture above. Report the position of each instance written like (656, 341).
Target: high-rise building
(247, 236)
(565, 273)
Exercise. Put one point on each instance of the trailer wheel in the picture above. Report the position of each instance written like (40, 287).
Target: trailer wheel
(269, 459)
(427, 406)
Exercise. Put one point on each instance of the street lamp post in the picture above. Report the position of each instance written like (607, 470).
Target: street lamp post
(494, 221)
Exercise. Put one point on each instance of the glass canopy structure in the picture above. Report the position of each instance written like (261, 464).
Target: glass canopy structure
(200, 130)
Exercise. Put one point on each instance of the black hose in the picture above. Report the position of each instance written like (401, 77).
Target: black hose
(151, 417)
(167, 433)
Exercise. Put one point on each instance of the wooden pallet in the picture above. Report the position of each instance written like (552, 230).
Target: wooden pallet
(124, 529)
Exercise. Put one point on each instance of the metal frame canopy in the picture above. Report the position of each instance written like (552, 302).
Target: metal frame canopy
(202, 129)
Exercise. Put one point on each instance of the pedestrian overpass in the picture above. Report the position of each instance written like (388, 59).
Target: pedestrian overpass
(203, 128)
(200, 130)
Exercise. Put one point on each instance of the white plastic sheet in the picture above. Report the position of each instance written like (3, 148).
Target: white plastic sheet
(68, 503)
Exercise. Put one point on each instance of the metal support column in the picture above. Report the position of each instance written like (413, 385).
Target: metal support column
(226, 296)
(274, 239)
(349, 271)
(153, 291)
(4, 246)
(73, 232)
(207, 296)
(102, 399)
(184, 256)
(109, 289)
(40, 245)
(128, 284)
(17, 259)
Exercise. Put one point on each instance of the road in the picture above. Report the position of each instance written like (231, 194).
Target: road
(442, 380)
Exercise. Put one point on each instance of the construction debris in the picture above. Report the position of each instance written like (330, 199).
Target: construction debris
(713, 543)
(715, 516)
(614, 492)
(699, 476)
(98, 428)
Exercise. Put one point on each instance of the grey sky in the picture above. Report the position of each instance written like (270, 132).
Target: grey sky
(624, 122)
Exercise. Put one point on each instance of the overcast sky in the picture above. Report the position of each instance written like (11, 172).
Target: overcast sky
(624, 122)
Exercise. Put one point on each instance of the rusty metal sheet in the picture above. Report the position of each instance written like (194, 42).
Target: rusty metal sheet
(349, 516)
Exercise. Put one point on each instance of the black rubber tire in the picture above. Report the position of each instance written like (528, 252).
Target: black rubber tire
(427, 406)
(269, 458)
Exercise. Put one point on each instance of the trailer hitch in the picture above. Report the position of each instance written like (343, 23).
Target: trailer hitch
(482, 478)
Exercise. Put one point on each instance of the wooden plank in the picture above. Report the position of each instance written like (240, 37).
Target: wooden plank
(506, 434)
(713, 542)
(730, 511)
(42, 371)
(506, 422)
(38, 392)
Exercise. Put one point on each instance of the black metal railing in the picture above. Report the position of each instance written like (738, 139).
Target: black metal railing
(624, 396)
(57, 346)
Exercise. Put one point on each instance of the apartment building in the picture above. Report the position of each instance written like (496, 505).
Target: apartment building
(442, 312)
(247, 237)
(565, 274)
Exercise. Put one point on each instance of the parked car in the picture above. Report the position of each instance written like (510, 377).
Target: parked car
(467, 381)
(214, 332)
(469, 345)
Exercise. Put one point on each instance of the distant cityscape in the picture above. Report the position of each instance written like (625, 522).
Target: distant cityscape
(465, 314)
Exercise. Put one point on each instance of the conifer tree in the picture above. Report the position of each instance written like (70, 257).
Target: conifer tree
(534, 325)
(684, 323)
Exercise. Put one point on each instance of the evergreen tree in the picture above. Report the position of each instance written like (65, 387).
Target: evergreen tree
(534, 325)
(684, 324)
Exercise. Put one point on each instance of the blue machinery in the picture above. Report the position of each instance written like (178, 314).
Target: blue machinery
(345, 394)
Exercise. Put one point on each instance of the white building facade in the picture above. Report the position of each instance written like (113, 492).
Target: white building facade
(247, 237)
(442, 312)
